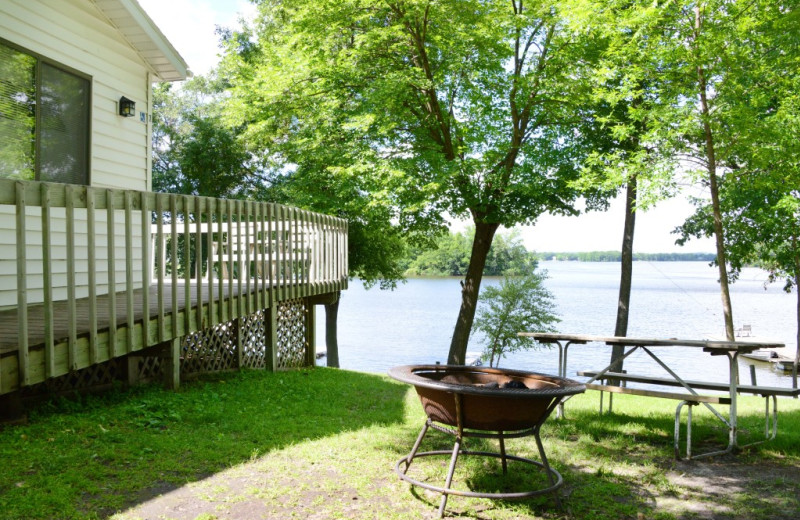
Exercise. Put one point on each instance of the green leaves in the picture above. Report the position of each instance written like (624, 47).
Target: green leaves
(516, 305)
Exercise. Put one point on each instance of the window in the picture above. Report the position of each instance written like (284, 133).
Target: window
(44, 119)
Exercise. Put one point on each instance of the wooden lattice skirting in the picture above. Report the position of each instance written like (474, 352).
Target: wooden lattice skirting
(244, 342)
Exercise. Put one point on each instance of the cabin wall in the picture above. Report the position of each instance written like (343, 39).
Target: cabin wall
(76, 34)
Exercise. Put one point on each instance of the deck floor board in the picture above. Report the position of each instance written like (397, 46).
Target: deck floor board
(9, 328)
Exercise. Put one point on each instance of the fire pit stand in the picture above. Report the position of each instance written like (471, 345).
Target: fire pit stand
(479, 402)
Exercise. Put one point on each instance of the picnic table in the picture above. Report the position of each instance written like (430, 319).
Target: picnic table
(731, 349)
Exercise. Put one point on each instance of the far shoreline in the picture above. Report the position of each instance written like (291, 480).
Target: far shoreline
(616, 256)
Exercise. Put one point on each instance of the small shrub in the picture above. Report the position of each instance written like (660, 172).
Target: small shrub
(518, 304)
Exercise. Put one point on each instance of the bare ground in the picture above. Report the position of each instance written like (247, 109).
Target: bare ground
(281, 486)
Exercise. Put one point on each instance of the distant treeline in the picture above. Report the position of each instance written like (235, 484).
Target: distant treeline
(616, 256)
(508, 256)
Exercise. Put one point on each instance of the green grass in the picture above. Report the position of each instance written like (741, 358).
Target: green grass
(322, 443)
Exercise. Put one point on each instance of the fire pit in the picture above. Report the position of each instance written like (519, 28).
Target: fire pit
(482, 402)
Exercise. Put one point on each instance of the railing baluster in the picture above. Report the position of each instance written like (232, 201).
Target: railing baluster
(230, 253)
(303, 254)
(72, 335)
(256, 255)
(112, 274)
(161, 267)
(129, 300)
(187, 264)
(272, 261)
(91, 248)
(237, 207)
(22, 285)
(146, 263)
(281, 275)
(220, 257)
(326, 249)
(343, 230)
(292, 252)
(244, 306)
(173, 233)
(264, 253)
(47, 283)
(198, 258)
(210, 253)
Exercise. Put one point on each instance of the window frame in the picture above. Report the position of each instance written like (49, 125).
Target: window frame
(37, 74)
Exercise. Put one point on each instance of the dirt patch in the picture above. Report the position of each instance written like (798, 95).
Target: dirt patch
(285, 488)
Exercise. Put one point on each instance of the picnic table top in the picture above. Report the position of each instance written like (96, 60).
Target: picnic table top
(705, 344)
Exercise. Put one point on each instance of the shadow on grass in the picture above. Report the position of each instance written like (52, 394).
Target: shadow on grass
(621, 465)
(91, 458)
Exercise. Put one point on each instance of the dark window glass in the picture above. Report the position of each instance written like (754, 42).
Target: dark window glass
(64, 133)
(17, 114)
(48, 140)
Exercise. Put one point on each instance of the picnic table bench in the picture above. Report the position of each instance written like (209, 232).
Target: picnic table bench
(728, 349)
(690, 399)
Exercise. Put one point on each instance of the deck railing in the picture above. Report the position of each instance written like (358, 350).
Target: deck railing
(212, 259)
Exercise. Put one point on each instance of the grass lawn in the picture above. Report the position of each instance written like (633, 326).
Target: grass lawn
(322, 444)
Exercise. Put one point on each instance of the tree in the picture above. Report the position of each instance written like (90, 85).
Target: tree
(759, 201)
(517, 304)
(744, 55)
(310, 154)
(628, 97)
(695, 68)
(450, 256)
(461, 106)
(194, 152)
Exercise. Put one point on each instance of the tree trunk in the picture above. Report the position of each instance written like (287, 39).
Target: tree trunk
(626, 274)
(331, 339)
(797, 344)
(714, 188)
(797, 291)
(470, 288)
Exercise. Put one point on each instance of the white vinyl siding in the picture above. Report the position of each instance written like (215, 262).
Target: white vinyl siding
(76, 34)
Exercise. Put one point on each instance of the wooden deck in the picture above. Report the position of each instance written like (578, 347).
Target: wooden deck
(177, 265)
(173, 312)
(160, 313)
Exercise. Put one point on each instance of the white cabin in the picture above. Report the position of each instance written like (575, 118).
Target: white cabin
(102, 280)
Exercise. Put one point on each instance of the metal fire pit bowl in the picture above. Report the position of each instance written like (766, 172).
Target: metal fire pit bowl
(467, 401)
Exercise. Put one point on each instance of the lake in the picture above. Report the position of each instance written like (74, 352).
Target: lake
(414, 323)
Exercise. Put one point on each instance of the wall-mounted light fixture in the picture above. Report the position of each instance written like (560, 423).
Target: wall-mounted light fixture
(127, 108)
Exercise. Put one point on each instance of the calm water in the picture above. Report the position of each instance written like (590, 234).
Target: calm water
(414, 324)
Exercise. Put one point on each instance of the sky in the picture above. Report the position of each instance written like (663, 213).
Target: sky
(190, 27)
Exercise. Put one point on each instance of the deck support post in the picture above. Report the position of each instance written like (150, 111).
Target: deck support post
(172, 363)
(271, 341)
(311, 333)
(237, 339)
(132, 368)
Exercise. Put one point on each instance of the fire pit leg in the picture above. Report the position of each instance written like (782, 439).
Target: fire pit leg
(503, 452)
(416, 445)
(450, 471)
(546, 466)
